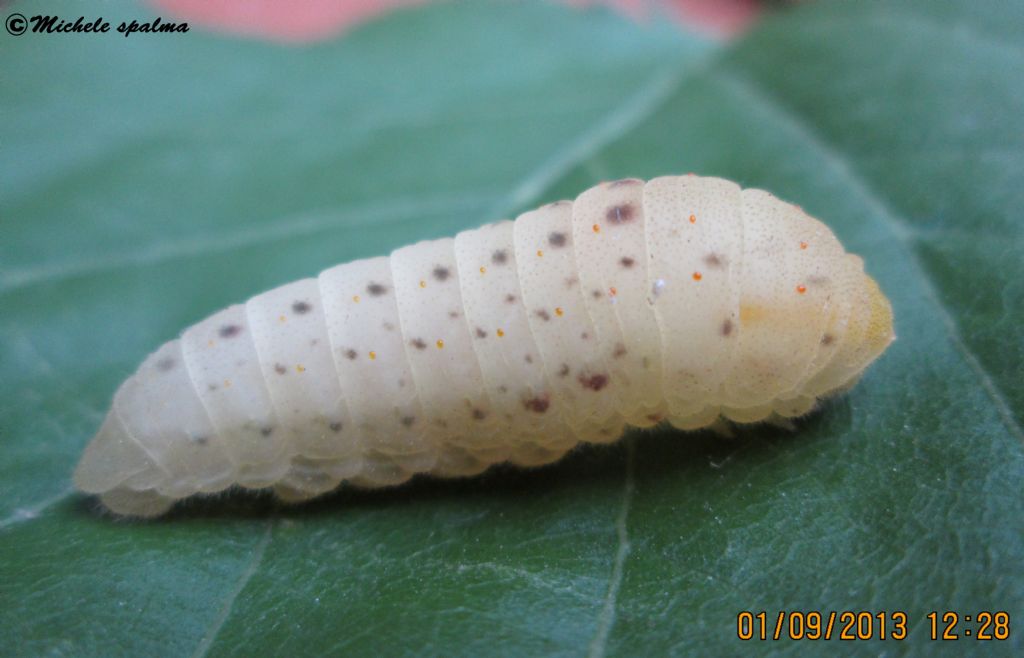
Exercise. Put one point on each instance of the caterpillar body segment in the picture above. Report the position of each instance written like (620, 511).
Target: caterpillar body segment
(612, 274)
(502, 340)
(180, 433)
(578, 373)
(695, 249)
(369, 356)
(685, 299)
(444, 366)
(224, 369)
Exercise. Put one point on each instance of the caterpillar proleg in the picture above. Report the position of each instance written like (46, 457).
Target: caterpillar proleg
(682, 299)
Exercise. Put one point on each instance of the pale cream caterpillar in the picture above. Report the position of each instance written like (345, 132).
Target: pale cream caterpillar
(684, 299)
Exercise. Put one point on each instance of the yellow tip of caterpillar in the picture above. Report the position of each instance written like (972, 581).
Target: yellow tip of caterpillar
(880, 331)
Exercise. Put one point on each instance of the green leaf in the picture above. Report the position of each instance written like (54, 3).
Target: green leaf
(150, 180)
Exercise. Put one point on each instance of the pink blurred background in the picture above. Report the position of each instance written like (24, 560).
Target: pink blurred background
(314, 20)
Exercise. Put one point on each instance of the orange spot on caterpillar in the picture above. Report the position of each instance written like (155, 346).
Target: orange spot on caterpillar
(693, 219)
(483, 270)
(559, 312)
(355, 298)
(501, 333)
(597, 228)
(803, 245)
(540, 254)
(750, 314)
(373, 355)
(423, 284)
(801, 288)
(281, 318)
(299, 367)
(440, 344)
(697, 276)
(227, 383)
(209, 343)
(612, 291)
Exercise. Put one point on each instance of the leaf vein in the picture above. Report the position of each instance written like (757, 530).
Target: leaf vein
(30, 512)
(624, 117)
(254, 564)
(304, 225)
(607, 618)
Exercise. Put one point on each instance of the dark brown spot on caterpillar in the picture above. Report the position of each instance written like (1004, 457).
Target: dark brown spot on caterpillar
(453, 314)
(201, 440)
(212, 387)
(510, 299)
(480, 333)
(542, 314)
(817, 279)
(388, 326)
(585, 336)
(408, 421)
(827, 339)
(571, 281)
(538, 404)
(266, 431)
(376, 289)
(503, 389)
(301, 307)
(596, 294)
(479, 414)
(563, 371)
(351, 354)
(627, 262)
(528, 358)
(557, 240)
(624, 181)
(442, 273)
(620, 351)
(714, 260)
(229, 331)
(163, 365)
(335, 427)
(418, 343)
(499, 257)
(280, 369)
(593, 382)
(726, 327)
(620, 214)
